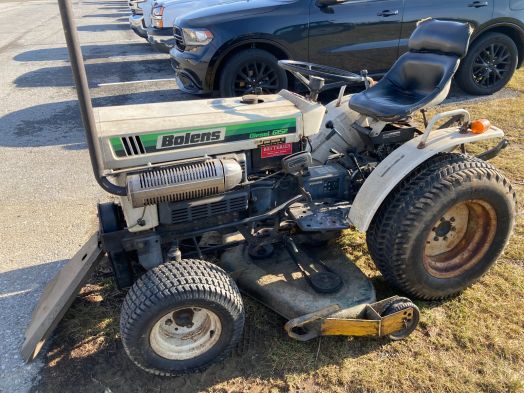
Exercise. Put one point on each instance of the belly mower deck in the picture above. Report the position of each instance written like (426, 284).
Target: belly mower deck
(282, 285)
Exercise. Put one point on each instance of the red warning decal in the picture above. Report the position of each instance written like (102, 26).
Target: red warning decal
(276, 150)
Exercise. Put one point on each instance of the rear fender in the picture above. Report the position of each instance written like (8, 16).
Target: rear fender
(403, 161)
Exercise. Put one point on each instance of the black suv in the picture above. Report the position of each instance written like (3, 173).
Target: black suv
(234, 48)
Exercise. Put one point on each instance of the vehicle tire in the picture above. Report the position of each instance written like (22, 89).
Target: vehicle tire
(249, 69)
(489, 65)
(109, 217)
(443, 227)
(411, 317)
(181, 317)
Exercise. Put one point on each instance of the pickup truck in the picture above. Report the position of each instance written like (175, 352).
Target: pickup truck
(163, 15)
(140, 16)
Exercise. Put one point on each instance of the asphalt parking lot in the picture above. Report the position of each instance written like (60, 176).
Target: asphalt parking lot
(48, 193)
(47, 190)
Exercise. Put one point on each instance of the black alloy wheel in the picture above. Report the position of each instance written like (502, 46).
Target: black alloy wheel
(489, 65)
(252, 71)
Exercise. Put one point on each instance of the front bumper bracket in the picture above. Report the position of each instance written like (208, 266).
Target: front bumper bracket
(58, 296)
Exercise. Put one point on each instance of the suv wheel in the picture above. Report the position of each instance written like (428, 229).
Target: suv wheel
(250, 69)
(489, 65)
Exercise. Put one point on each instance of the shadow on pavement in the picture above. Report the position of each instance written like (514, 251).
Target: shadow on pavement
(121, 3)
(89, 52)
(19, 291)
(120, 71)
(113, 15)
(24, 281)
(117, 8)
(60, 123)
(104, 27)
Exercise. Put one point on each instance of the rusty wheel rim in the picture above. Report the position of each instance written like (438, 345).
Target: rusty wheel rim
(460, 238)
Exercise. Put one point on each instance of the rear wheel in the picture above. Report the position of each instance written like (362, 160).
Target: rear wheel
(443, 227)
(181, 317)
(249, 70)
(489, 65)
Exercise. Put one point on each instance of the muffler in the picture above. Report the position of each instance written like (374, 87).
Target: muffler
(184, 182)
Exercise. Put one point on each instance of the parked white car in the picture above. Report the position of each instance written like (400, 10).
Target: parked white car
(163, 15)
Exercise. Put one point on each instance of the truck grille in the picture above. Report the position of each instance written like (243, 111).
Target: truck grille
(179, 39)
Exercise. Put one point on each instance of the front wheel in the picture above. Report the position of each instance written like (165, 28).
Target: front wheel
(181, 317)
(443, 227)
(249, 70)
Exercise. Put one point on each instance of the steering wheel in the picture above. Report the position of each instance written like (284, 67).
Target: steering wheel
(318, 74)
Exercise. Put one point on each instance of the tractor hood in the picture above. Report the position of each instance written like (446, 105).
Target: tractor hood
(233, 11)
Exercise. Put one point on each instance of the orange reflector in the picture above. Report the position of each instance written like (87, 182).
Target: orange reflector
(479, 126)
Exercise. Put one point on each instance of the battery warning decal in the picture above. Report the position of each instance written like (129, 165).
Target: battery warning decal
(281, 149)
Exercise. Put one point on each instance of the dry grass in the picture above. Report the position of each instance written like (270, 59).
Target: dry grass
(472, 343)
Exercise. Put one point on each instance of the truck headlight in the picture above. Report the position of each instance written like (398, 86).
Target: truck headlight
(197, 37)
(156, 17)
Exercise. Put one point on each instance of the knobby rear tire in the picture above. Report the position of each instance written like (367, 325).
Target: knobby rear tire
(399, 235)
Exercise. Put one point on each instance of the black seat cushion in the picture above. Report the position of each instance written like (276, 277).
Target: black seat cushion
(438, 36)
(413, 82)
(420, 77)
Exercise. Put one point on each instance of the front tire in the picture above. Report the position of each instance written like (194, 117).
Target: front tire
(251, 69)
(443, 227)
(181, 317)
(489, 65)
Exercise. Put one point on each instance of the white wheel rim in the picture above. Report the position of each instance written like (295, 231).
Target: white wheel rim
(185, 333)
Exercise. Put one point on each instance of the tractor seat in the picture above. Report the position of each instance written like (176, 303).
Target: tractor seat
(420, 78)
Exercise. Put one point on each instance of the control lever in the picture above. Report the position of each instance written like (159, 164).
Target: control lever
(329, 125)
(364, 74)
(334, 155)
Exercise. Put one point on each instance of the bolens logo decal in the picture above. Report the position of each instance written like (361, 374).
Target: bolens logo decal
(191, 138)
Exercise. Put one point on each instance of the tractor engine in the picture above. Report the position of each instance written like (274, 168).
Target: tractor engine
(201, 162)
